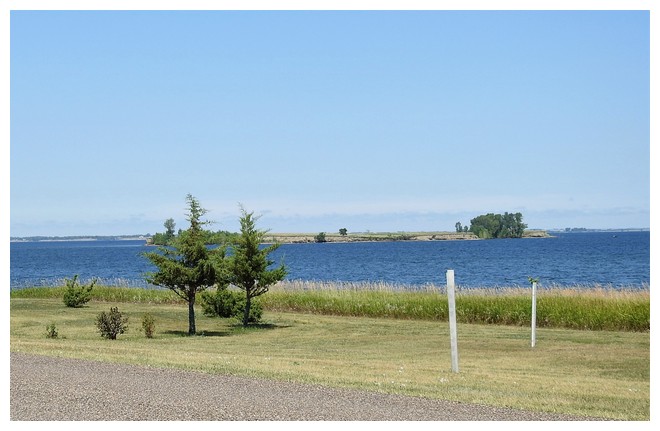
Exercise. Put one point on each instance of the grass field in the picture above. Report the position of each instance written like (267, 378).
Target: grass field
(591, 373)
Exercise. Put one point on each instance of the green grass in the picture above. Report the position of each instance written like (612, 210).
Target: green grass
(577, 308)
(574, 308)
(591, 373)
(104, 293)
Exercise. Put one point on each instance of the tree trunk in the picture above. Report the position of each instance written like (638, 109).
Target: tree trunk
(191, 315)
(246, 312)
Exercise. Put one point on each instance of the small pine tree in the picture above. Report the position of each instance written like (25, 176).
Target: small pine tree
(229, 304)
(247, 268)
(76, 295)
(187, 267)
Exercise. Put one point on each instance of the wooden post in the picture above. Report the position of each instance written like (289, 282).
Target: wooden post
(533, 313)
(451, 297)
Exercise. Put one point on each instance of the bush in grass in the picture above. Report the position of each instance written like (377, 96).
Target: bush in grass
(228, 303)
(148, 325)
(111, 324)
(76, 295)
(51, 331)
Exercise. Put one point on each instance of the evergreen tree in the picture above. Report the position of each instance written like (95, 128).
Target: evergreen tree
(187, 266)
(247, 267)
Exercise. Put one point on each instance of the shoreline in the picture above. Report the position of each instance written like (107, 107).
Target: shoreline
(303, 238)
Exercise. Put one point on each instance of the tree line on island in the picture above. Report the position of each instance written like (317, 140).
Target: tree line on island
(486, 226)
(508, 225)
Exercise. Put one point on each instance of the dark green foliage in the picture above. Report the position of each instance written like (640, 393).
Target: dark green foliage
(148, 325)
(219, 237)
(247, 267)
(343, 231)
(51, 331)
(111, 324)
(188, 266)
(76, 295)
(168, 238)
(229, 304)
(320, 237)
(169, 228)
(498, 226)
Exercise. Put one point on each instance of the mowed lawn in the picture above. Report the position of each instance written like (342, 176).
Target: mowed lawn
(603, 374)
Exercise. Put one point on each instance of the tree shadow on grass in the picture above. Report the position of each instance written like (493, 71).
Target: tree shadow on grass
(232, 329)
(238, 327)
(199, 333)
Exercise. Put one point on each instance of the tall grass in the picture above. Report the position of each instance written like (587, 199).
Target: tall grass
(557, 307)
(104, 293)
(578, 307)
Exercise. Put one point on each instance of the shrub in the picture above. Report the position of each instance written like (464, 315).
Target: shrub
(111, 324)
(229, 303)
(76, 294)
(148, 325)
(51, 331)
(320, 237)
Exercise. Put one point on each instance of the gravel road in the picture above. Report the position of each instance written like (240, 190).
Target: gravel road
(56, 389)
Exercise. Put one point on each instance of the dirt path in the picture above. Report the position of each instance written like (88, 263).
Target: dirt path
(54, 389)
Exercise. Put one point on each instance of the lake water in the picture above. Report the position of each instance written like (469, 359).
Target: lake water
(618, 259)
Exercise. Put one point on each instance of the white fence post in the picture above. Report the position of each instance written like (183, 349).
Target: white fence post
(533, 313)
(451, 297)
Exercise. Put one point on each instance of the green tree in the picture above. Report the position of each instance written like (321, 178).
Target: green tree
(168, 236)
(320, 237)
(187, 266)
(248, 265)
(498, 226)
(485, 226)
(459, 227)
(76, 295)
(169, 229)
(343, 231)
(111, 324)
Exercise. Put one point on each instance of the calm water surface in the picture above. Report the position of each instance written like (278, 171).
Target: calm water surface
(619, 259)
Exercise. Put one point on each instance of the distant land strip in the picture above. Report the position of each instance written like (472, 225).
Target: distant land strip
(336, 237)
(296, 238)
(291, 238)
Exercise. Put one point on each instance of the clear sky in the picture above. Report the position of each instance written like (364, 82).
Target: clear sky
(319, 120)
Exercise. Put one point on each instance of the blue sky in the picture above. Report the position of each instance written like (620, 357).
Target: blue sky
(318, 120)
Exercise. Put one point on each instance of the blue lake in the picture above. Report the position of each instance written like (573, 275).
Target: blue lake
(618, 259)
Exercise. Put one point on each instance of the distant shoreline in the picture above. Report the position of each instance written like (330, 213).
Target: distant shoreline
(301, 238)
(78, 238)
(335, 237)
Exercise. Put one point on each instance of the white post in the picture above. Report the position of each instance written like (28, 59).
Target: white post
(452, 320)
(533, 314)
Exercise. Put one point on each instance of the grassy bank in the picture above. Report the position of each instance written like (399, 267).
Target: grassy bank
(571, 308)
(590, 373)
(576, 308)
